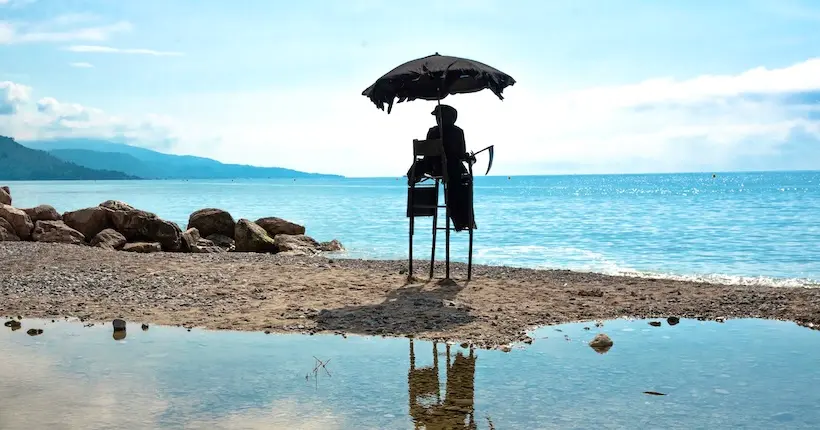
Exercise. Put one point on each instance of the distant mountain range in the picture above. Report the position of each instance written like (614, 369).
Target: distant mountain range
(18, 163)
(147, 164)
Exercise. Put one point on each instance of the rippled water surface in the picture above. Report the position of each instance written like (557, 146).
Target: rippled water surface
(741, 374)
(739, 227)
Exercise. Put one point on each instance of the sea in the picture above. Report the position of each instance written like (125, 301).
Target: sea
(759, 228)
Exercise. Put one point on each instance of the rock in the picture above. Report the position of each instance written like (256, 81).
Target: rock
(601, 343)
(43, 213)
(34, 331)
(20, 222)
(275, 226)
(192, 242)
(222, 241)
(130, 222)
(88, 221)
(720, 319)
(142, 247)
(212, 221)
(144, 327)
(252, 238)
(109, 239)
(672, 320)
(296, 244)
(5, 196)
(116, 205)
(56, 232)
(7, 233)
(119, 325)
(655, 323)
(190, 238)
(13, 324)
(167, 233)
(332, 246)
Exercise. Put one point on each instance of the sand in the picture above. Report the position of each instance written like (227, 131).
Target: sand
(275, 293)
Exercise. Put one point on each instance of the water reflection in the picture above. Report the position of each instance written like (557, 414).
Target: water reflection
(457, 411)
(712, 376)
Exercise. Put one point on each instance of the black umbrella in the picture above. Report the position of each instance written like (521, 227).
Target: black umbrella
(435, 77)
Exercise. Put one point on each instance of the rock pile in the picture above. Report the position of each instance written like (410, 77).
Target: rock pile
(115, 225)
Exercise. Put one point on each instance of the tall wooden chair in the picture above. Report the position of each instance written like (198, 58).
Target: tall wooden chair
(423, 201)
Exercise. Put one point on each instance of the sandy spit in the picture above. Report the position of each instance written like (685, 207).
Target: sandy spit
(275, 293)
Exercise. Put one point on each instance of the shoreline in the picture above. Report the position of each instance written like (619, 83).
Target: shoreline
(322, 294)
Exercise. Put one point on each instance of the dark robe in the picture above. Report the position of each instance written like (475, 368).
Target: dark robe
(458, 185)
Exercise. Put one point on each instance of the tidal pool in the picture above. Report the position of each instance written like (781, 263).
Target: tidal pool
(738, 374)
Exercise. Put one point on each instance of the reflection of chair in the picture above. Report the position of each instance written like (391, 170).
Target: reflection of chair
(457, 410)
(422, 201)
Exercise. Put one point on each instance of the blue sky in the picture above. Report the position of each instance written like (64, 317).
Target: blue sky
(628, 86)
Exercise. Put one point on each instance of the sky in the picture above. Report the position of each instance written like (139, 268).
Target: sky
(602, 87)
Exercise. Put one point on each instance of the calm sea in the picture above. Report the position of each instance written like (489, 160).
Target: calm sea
(748, 228)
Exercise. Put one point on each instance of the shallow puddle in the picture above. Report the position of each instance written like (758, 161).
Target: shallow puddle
(742, 373)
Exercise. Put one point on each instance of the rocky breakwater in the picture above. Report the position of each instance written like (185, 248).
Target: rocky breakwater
(115, 225)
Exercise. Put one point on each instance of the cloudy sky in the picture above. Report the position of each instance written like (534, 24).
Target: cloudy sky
(603, 87)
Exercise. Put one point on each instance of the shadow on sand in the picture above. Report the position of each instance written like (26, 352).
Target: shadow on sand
(414, 308)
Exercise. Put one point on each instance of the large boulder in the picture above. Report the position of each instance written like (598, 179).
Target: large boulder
(19, 221)
(222, 241)
(88, 221)
(109, 239)
(252, 238)
(7, 233)
(129, 222)
(274, 226)
(56, 232)
(43, 213)
(5, 196)
(167, 233)
(332, 246)
(212, 221)
(142, 247)
(296, 244)
(116, 205)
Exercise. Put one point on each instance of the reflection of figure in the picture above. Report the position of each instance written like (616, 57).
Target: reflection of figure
(455, 151)
(426, 407)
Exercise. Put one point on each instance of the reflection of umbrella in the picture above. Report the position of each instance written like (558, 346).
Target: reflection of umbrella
(435, 77)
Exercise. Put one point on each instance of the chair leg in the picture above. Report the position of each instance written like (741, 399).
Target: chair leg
(447, 234)
(435, 227)
(412, 212)
(471, 225)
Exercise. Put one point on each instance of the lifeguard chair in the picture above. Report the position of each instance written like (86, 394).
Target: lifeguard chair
(423, 201)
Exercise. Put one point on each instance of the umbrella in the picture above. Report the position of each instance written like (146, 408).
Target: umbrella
(435, 77)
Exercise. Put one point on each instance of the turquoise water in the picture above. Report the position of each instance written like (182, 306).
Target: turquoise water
(751, 374)
(736, 228)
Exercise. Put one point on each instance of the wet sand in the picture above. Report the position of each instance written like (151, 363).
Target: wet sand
(278, 293)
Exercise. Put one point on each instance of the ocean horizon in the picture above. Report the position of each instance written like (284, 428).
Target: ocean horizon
(749, 228)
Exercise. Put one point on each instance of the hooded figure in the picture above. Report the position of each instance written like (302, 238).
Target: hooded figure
(455, 150)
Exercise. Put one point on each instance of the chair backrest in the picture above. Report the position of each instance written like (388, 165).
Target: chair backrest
(428, 148)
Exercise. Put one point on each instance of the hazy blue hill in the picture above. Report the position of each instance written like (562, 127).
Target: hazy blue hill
(145, 163)
(19, 163)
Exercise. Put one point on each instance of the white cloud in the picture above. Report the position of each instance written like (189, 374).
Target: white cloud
(81, 65)
(54, 31)
(111, 50)
(12, 96)
(704, 123)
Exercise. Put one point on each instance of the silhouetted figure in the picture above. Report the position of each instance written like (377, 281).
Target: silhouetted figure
(455, 150)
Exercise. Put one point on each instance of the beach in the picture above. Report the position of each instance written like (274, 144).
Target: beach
(322, 294)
